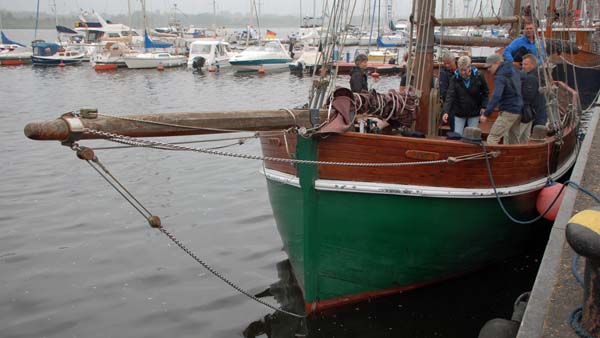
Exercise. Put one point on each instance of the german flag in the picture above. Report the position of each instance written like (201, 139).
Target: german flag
(271, 34)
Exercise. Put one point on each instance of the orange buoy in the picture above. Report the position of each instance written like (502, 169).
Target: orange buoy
(105, 66)
(212, 69)
(375, 74)
(160, 67)
(261, 70)
(61, 64)
(546, 196)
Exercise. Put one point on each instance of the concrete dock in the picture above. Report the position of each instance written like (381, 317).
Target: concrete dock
(556, 293)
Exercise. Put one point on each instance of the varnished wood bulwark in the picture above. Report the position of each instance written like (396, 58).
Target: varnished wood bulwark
(516, 165)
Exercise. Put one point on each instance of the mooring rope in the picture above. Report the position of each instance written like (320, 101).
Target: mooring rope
(154, 221)
(168, 146)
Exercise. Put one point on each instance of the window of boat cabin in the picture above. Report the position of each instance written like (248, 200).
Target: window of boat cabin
(94, 36)
(113, 35)
(200, 49)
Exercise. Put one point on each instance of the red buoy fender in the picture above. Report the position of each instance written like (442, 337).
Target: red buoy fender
(545, 198)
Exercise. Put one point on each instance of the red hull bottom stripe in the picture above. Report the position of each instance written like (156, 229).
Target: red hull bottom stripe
(345, 300)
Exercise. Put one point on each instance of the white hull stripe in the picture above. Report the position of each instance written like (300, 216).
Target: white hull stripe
(417, 190)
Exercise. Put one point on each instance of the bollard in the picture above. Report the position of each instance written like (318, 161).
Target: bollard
(347, 56)
(583, 234)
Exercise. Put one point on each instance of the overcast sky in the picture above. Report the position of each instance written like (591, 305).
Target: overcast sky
(282, 7)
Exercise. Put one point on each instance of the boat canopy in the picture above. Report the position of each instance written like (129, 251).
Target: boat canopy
(45, 48)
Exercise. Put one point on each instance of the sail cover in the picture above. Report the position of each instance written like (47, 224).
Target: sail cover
(65, 30)
(148, 43)
(7, 41)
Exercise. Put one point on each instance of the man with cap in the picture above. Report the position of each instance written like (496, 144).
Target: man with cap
(446, 72)
(358, 76)
(507, 96)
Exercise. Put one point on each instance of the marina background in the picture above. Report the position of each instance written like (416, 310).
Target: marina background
(77, 261)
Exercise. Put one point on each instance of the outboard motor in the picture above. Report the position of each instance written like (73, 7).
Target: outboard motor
(198, 62)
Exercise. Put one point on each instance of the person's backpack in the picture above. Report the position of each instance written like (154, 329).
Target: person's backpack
(519, 53)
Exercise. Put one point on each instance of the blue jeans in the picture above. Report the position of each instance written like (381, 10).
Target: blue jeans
(459, 123)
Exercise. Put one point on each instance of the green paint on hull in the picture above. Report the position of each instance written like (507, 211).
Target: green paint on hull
(345, 243)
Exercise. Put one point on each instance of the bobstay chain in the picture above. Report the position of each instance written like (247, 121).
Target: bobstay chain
(87, 154)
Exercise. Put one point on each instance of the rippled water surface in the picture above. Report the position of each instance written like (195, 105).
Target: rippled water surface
(77, 261)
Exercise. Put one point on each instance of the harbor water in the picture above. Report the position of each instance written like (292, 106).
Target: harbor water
(77, 261)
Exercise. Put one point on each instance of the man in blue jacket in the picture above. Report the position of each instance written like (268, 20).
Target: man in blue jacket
(507, 96)
(526, 40)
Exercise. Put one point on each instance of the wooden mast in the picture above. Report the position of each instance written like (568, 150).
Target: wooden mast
(423, 64)
(515, 29)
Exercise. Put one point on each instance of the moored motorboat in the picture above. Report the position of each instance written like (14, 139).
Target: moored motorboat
(52, 54)
(209, 54)
(267, 55)
(154, 60)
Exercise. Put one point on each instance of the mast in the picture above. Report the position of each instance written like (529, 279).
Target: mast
(516, 26)
(424, 62)
(37, 19)
(130, 21)
(214, 14)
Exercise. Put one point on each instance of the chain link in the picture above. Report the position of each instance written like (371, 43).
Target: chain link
(155, 223)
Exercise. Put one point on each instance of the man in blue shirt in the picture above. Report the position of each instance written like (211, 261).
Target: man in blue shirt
(527, 40)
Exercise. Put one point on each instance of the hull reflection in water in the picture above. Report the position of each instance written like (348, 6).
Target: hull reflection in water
(458, 308)
(289, 296)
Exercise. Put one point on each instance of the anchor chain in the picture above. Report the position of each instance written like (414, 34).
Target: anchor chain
(88, 155)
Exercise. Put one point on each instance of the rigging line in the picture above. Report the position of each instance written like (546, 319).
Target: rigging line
(424, 47)
(118, 190)
(501, 204)
(221, 277)
(156, 224)
(264, 158)
(242, 139)
(578, 66)
(135, 145)
(408, 63)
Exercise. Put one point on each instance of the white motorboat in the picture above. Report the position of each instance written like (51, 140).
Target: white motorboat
(154, 60)
(267, 55)
(209, 54)
(113, 53)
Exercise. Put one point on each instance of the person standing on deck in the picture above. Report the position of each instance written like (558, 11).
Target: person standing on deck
(358, 76)
(446, 73)
(507, 95)
(526, 40)
(467, 96)
(532, 99)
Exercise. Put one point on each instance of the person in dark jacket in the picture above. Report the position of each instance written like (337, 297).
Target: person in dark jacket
(467, 96)
(446, 73)
(358, 76)
(507, 96)
(532, 99)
